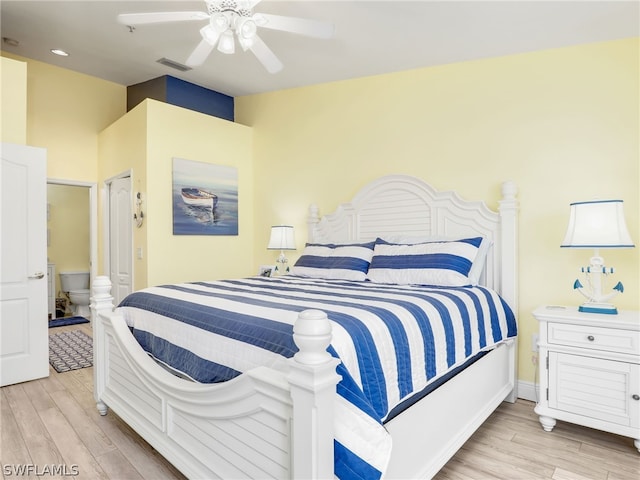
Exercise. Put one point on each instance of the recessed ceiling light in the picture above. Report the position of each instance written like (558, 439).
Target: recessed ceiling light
(57, 51)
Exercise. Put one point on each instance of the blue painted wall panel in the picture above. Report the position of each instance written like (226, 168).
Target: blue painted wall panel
(200, 99)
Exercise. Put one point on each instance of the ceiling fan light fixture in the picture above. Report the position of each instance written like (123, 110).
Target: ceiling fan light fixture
(246, 28)
(227, 43)
(210, 35)
(220, 22)
(245, 43)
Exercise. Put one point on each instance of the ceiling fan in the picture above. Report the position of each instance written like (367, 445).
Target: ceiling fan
(230, 20)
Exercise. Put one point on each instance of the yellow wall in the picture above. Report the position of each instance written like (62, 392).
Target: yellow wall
(65, 112)
(123, 152)
(68, 228)
(177, 132)
(146, 140)
(563, 124)
(13, 98)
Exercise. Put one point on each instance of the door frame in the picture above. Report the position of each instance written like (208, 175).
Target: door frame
(93, 219)
(106, 224)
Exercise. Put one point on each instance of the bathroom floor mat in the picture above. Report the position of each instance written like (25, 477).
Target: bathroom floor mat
(61, 322)
(70, 350)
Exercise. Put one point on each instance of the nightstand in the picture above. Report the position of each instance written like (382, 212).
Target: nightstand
(590, 370)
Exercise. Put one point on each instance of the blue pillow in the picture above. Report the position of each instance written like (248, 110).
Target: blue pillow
(335, 261)
(445, 263)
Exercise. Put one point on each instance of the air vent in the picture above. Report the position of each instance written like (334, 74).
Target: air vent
(170, 63)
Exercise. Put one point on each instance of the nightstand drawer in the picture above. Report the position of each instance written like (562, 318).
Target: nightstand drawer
(597, 338)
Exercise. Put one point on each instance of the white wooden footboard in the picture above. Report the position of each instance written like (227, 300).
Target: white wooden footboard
(263, 424)
(449, 415)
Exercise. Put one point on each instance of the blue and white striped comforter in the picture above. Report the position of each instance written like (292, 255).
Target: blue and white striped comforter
(393, 341)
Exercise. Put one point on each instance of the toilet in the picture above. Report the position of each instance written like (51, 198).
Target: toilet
(76, 286)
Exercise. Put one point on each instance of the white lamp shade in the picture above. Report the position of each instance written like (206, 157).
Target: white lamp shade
(597, 224)
(282, 238)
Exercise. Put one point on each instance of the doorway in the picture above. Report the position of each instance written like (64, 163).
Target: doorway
(72, 233)
(118, 240)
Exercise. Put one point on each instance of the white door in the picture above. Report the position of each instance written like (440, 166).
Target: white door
(120, 238)
(24, 347)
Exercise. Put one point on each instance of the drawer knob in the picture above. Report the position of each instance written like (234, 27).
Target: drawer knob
(635, 396)
(591, 338)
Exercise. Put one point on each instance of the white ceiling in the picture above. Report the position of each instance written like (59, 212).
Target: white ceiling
(372, 37)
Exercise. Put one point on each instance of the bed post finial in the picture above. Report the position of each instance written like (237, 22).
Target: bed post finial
(101, 298)
(312, 334)
(509, 191)
(312, 379)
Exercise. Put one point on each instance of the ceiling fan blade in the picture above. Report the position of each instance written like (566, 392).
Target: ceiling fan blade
(160, 17)
(266, 57)
(301, 26)
(200, 53)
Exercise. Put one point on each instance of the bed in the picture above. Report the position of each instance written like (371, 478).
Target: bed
(294, 415)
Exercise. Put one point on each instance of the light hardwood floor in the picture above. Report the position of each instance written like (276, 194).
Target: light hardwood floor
(53, 421)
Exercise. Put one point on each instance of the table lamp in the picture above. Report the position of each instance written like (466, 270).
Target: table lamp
(597, 224)
(282, 238)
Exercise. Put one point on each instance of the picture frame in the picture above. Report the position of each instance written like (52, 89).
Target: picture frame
(205, 198)
(266, 270)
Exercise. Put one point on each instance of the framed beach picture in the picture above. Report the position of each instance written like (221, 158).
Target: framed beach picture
(266, 270)
(205, 198)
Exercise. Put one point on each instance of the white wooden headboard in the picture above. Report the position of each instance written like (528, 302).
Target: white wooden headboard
(402, 204)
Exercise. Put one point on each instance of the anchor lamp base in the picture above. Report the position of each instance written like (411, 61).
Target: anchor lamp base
(593, 307)
(597, 301)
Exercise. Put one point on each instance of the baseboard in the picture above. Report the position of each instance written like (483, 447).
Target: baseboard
(528, 391)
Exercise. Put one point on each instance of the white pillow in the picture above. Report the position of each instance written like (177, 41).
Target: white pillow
(478, 263)
(333, 261)
(443, 263)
